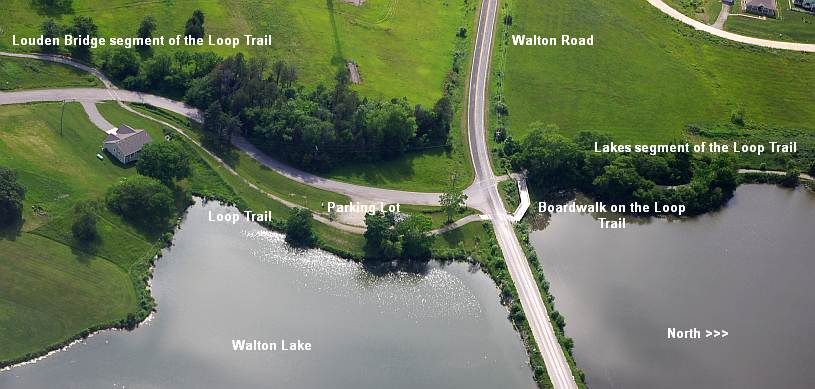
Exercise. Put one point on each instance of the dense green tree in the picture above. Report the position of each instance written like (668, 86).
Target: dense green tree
(388, 127)
(812, 169)
(164, 161)
(195, 25)
(83, 26)
(791, 178)
(146, 29)
(299, 231)
(120, 63)
(50, 30)
(12, 195)
(378, 229)
(85, 218)
(415, 237)
(620, 180)
(142, 200)
(552, 161)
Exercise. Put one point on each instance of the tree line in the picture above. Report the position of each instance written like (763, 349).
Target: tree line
(314, 128)
(555, 163)
(317, 128)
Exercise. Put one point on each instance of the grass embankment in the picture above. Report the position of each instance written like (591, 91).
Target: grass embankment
(436, 214)
(23, 73)
(705, 11)
(793, 26)
(646, 77)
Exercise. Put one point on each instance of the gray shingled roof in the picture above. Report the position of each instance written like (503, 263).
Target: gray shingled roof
(128, 139)
(769, 4)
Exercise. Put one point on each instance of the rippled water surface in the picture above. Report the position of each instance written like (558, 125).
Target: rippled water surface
(748, 269)
(441, 328)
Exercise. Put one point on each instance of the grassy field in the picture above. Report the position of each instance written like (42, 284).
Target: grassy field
(647, 76)
(705, 11)
(21, 73)
(50, 289)
(49, 292)
(403, 48)
(788, 26)
(418, 172)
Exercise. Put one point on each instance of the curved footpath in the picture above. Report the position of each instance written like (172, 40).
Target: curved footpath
(668, 10)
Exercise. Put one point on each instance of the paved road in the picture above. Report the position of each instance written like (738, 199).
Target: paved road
(723, 14)
(517, 263)
(665, 8)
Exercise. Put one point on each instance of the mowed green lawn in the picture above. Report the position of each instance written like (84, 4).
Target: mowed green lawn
(403, 48)
(49, 289)
(788, 26)
(647, 76)
(49, 292)
(22, 73)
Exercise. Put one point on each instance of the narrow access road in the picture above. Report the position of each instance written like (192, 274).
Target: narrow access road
(556, 365)
(722, 18)
(668, 10)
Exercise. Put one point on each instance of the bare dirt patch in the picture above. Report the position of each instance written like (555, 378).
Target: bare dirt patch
(354, 2)
(352, 68)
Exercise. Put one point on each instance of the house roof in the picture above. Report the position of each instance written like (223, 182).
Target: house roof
(769, 4)
(128, 139)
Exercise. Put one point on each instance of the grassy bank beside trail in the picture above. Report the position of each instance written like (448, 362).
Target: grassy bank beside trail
(791, 26)
(705, 11)
(23, 73)
(436, 214)
(646, 77)
(402, 48)
(263, 177)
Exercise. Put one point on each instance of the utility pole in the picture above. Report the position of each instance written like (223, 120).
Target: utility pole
(61, 116)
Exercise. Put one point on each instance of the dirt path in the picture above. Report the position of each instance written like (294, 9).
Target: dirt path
(725, 12)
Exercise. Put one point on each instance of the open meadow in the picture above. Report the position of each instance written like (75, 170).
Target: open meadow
(647, 76)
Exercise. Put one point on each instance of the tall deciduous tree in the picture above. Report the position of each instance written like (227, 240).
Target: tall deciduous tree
(299, 231)
(146, 29)
(195, 25)
(85, 27)
(11, 196)
(452, 200)
(164, 161)
(50, 31)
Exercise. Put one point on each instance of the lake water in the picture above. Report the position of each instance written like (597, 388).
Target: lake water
(443, 328)
(748, 269)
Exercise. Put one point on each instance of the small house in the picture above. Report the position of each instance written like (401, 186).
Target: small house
(805, 4)
(126, 143)
(761, 7)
